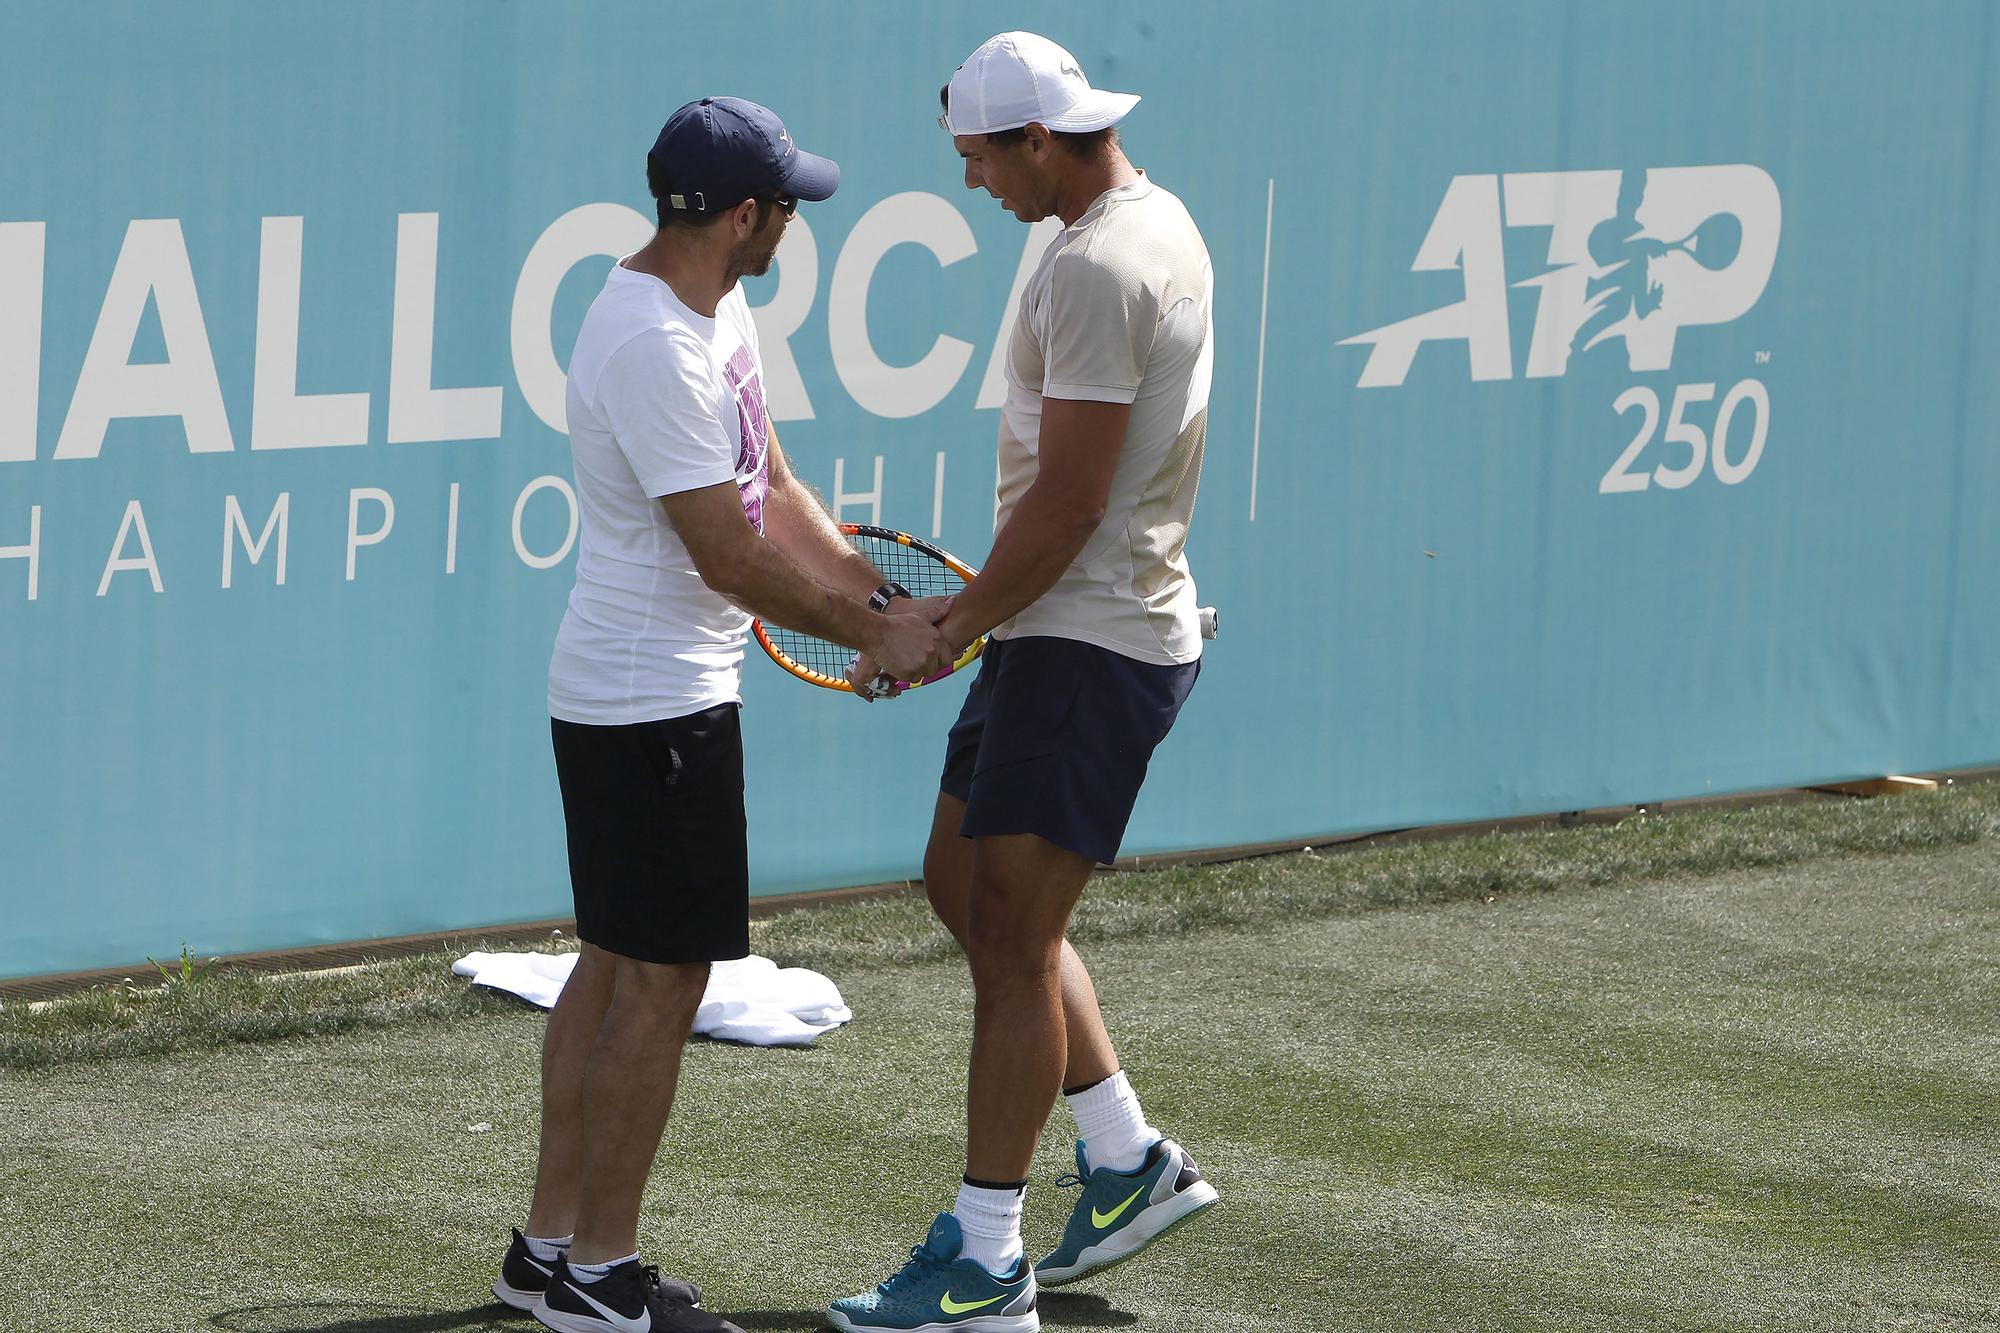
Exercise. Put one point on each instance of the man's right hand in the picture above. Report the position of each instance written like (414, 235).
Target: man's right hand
(864, 671)
(908, 646)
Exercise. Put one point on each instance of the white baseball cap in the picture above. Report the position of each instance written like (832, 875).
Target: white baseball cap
(1020, 78)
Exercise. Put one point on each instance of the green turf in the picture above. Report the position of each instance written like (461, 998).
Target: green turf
(1760, 1099)
(220, 1006)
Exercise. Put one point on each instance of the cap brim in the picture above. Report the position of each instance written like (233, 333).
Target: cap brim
(1100, 110)
(812, 176)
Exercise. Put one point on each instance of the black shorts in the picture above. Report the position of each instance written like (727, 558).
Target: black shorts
(659, 857)
(1054, 740)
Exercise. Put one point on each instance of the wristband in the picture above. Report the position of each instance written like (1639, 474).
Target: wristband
(879, 599)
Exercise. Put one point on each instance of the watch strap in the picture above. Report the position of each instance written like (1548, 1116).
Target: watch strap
(879, 599)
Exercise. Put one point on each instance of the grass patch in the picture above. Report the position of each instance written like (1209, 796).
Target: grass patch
(206, 1010)
(1315, 885)
(226, 1006)
(1754, 1100)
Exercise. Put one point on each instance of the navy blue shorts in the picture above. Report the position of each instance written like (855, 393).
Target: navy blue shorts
(659, 857)
(1054, 740)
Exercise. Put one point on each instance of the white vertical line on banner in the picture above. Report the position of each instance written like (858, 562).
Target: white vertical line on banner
(937, 500)
(1263, 315)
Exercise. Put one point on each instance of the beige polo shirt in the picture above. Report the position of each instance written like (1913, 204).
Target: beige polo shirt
(1119, 311)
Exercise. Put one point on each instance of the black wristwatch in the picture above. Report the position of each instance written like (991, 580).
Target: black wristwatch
(879, 599)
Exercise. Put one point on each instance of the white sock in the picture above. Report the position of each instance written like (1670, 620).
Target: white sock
(589, 1273)
(549, 1248)
(1113, 1129)
(991, 1221)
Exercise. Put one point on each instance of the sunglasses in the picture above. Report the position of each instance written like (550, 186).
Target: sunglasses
(784, 203)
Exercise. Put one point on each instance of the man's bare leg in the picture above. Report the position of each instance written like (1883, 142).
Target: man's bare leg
(1023, 890)
(948, 882)
(627, 1090)
(1002, 1131)
(566, 1046)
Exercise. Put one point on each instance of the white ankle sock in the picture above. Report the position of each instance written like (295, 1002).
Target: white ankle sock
(1113, 1129)
(549, 1248)
(589, 1273)
(991, 1222)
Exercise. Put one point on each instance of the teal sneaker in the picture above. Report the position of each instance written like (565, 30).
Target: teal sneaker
(938, 1290)
(1121, 1212)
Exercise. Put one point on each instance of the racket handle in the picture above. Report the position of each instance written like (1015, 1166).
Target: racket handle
(1210, 622)
(884, 682)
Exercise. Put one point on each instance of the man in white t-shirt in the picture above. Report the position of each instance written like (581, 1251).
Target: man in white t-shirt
(691, 521)
(1095, 644)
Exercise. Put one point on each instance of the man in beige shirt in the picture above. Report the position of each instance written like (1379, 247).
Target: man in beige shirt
(1095, 644)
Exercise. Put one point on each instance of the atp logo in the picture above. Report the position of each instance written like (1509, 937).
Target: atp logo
(1633, 257)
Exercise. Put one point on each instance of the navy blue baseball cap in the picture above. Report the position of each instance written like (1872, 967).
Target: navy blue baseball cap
(719, 151)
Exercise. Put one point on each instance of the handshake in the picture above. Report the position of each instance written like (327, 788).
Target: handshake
(908, 643)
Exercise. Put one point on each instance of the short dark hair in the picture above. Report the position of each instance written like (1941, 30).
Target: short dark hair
(1090, 143)
(657, 182)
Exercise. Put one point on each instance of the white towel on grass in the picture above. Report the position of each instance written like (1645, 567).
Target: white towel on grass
(751, 1000)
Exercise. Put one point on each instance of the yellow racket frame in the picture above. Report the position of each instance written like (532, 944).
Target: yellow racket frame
(922, 547)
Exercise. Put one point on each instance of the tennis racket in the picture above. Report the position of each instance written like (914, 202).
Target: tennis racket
(922, 569)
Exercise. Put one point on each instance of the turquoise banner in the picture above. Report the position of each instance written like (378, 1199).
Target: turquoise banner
(1603, 412)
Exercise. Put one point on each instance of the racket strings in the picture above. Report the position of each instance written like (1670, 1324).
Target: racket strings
(920, 574)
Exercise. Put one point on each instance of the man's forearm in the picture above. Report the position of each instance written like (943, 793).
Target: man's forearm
(1042, 536)
(798, 526)
(769, 584)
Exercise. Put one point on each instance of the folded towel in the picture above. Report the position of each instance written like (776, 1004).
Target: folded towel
(751, 1000)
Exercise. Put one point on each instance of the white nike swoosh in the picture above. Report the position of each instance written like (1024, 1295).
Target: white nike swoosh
(643, 1324)
(544, 1269)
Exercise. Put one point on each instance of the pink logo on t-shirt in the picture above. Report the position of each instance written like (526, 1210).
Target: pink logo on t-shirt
(753, 466)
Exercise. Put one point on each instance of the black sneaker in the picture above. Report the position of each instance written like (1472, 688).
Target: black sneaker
(523, 1277)
(628, 1299)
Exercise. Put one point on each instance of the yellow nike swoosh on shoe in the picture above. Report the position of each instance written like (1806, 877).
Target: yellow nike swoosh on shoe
(950, 1306)
(1103, 1220)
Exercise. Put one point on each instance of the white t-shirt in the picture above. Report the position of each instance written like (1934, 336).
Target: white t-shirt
(1119, 311)
(661, 400)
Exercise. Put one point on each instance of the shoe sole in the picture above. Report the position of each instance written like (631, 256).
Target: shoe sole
(569, 1323)
(1146, 1228)
(523, 1301)
(991, 1323)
